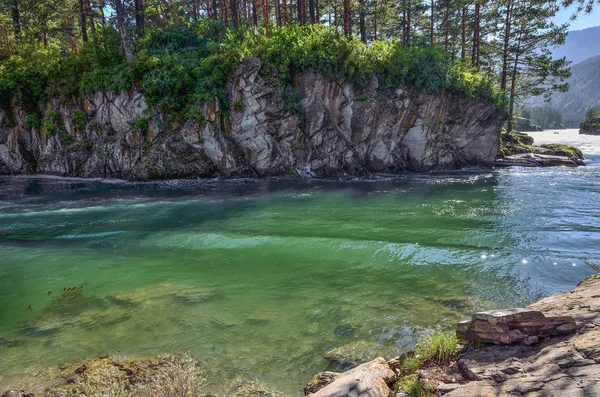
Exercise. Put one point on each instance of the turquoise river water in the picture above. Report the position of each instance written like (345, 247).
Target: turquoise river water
(261, 278)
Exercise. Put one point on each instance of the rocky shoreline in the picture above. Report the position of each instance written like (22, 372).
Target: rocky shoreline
(549, 348)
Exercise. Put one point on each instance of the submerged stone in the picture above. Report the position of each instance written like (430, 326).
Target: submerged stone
(355, 353)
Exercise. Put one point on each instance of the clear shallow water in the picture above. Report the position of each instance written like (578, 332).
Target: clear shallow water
(260, 278)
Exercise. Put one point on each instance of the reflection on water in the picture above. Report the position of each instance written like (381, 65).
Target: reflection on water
(261, 278)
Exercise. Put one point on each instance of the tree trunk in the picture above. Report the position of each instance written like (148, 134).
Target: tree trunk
(83, 21)
(195, 10)
(505, 48)
(431, 24)
(224, 12)
(476, 38)
(375, 21)
(347, 19)
(302, 12)
(16, 17)
(408, 24)
(102, 16)
(265, 6)
(90, 12)
(139, 17)
(311, 10)
(513, 86)
(361, 21)
(463, 47)
(317, 14)
(255, 13)
(277, 13)
(446, 27)
(234, 11)
(126, 43)
(286, 17)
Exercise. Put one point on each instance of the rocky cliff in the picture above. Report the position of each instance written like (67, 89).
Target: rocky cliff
(320, 127)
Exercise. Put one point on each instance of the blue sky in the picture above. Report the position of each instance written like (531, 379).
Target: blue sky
(583, 21)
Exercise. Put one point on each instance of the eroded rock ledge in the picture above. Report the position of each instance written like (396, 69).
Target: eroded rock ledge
(550, 348)
(326, 128)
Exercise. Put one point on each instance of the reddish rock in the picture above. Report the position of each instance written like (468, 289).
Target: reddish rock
(502, 327)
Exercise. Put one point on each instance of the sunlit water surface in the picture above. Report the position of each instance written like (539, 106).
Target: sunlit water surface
(261, 278)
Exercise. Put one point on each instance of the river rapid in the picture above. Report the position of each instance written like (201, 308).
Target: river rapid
(260, 278)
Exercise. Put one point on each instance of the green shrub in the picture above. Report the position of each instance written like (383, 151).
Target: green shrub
(187, 65)
(67, 139)
(238, 106)
(51, 122)
(592, 113)
(291, 99)
(141, 124)
(32, 121)
(80, 119)
(197, 115)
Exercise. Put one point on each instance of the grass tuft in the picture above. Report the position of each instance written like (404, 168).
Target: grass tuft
(414, 387)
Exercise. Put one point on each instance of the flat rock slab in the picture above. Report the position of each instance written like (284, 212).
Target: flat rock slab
(537, 160)
(366, 380)
(564, 365)
(513, 325)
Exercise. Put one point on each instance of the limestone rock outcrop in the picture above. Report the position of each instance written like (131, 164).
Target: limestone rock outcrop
(327, 127)
(366, 380)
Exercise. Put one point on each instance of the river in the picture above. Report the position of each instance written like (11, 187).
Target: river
(259, 278)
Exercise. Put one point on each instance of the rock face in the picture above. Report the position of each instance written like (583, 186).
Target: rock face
(504, 327)
(558, 366)
(590, 127)
(366, 380)
(319, 127)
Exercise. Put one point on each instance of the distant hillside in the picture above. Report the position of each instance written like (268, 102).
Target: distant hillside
(584, 92)
(580, 45)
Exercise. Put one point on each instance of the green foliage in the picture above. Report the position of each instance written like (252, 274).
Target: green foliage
(415, 387)
(51, 122)
(182, 66)
(592, 113)
(80, 119)
(437, 346)
(291, 99)
(32, 121)
(465, 80)
(238, 106)
(196, 114)
(411, 364)
(142, 124)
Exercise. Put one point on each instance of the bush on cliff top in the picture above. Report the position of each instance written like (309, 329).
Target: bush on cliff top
(187, 65)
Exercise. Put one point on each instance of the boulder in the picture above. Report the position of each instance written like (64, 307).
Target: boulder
(513, 325)
(367, 380)
(590, 126)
